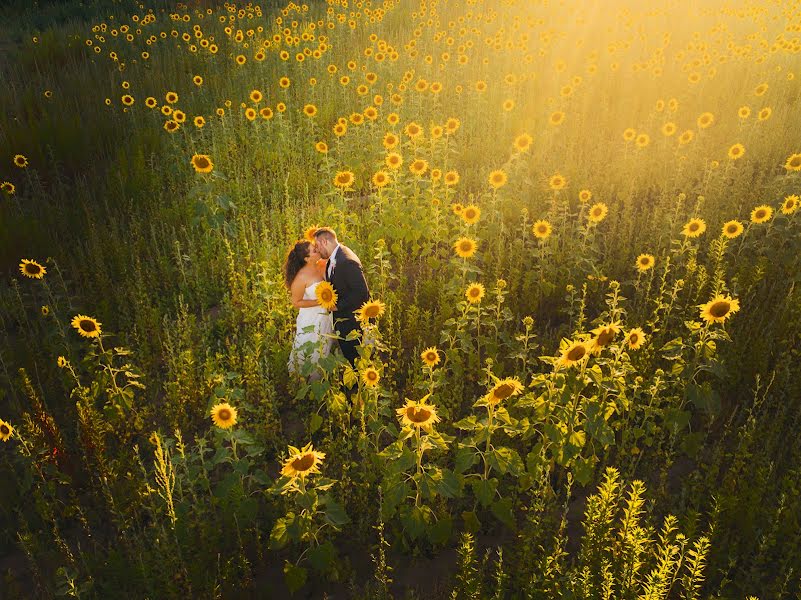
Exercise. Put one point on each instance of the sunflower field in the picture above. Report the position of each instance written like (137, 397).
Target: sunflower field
(580, 223)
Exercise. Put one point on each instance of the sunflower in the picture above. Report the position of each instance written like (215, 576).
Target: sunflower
(266, 113)
(451, 178)
(310, 110)
(344, 179)
(199, 122)
(743, 112)
(32, 269)
(197, 80)
(393, 160)
(694, 228)
(761, 214)
(308, 235)
(321, 147)
(718, 309)
(86, 326)
(557, 182)
(597, 212)
(736, 151)
(497, 178)
(223, 415)
(522, 142)
(732, 229)
(642, 140)
(8, 187)
(542, 229)
(790, 204)
(370, 377)
(635, 338)
(573, 354)
(303, 462)
(372, 309)
(457, 208)
(503, 389)
(705, 120)
(240, 59)
(645, 262)
(380, 179)
(451, 125)
(326, 295)
(793, 162)
(166, 110)
(413, 130)
(556, 118)
(418, 166)
(61, 362)
(474, 293)
(465, 247)
(390, 141)
(686, 137)
(604, 335)
(127, 100)
(430, 356)
(471, 214)
(172, 126)
(171, 97)
(45, 310)
(764, 114)
(256, 96)
(179, 116)
(761, 89)
(629, 134)
(20, 161)
(151, 102)
(418, 414)
(6, 430)
(668, 129)
(202, 163)
(585, 196)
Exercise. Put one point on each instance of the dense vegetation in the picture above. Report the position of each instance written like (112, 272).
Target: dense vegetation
(579, 223)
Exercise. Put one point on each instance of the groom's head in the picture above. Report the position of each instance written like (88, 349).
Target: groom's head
(326, 240)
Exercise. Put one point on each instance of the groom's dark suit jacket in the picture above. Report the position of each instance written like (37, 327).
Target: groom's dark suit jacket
(349, 283)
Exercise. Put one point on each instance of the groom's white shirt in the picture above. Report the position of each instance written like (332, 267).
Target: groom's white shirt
(332, 261)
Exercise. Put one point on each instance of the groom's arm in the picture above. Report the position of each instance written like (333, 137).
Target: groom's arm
(358, 293)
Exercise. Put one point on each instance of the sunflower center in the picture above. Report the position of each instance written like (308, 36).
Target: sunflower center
(760, 214)
(31, 269)
(326, 295)
(577, 353)
(474, 292)
(731, 228)
(645, 261)
(542, 228)
(795, 161)
(418, 415)
(224, 414)
(693, 227)
(202, 163)
(465, 246)
(605, 337)
(372, 375)
(87, 325)
(503, 391)
(303, 463)
(720, 309)
(633, 338)
(431, 357)
(371, 311)
(4, 429)
(596, 212)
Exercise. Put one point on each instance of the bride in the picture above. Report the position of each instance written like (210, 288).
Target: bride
(302, 274)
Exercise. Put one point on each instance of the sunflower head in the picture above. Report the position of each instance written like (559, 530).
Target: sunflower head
(471, 214)
(202, 163)
(790, 204)
(645, 262)
(465, 247)
(223, 415)
(370, 377)
(732, 229)
(597, 212)
(542, 229)
(574, 353)
(308, 235)
(86, 326)
(497, 179)
(326, 295)
(430, 356)
(6, 430)
(604, 335)
(32, 269)
(635, 338)
(694, 228)
(344, 179)
(20, 161)
(503, 389)
(793, 162)
(372, 309)
(418, 414)
(719, 309)
(302, 462)
(474, 293)
(761, 214)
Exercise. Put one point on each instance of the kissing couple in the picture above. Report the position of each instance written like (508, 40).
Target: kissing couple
(306, 266)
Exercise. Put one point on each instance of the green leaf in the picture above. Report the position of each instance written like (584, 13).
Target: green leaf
(279, 535)
(334, 512)
(295, 577)
(502, 509)
(505, 459)
(315, 422)
(471, 522)
(485, 490)
(583, 469)
(450, 485)
(465, 458)
(577, 438)
(440, 532)
(322, 557)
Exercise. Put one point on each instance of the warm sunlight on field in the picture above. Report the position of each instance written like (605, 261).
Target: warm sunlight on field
(576, 375)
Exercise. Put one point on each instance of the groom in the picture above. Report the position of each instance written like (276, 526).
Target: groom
(344, 271)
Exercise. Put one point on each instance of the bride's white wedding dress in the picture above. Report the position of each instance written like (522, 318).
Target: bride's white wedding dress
(313, 324)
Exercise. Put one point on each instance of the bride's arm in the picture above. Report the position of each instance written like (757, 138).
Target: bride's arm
(297, 290)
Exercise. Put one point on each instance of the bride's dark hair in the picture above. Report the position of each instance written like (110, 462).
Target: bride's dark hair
(295, 260)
